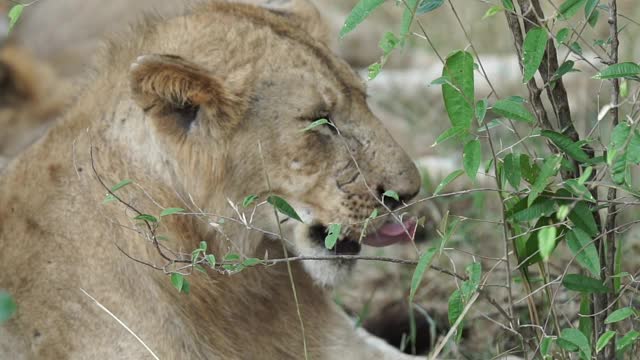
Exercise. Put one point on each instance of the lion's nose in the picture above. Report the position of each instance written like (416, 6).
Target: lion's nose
(403, 197)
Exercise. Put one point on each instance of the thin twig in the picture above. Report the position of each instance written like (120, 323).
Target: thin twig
(102, 307)
(286, 255)
(608, 248)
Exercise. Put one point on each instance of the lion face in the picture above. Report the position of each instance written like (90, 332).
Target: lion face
(254, 114)
(334, 173)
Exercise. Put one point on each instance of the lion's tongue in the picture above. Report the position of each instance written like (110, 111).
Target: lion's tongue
(390, 234)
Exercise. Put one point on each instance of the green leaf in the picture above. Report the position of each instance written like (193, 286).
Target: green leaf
(563, 211)
(624, 88)
(619, 315)
(581, 283)
(508, 4)
(516, 99)
(109, 198)
(582, 218)
(567, 145)
(7, 306)
(620, 170)
(576, 47)
(574, 186)
(283, 207)
(563, 35)
(593, 19)
(407, 17)
(170, 211)
(549, 169)
(456, 306)
(586, 174)
(388, 42)
(575, 337)
(211, 259)
(186, 287)
(492, 11)
(545, 345)
(604, 340)
(459, 95)
(428, 5)
(528, 170)
(120, 185)
(539, 208)
(454, 175)
(590, 7)
(450, 133)
(373, 71)
(447, 231)
(512, 170)
(622, 152)
(547, 241)
(439, 81)
(618, 71)
(513, 110)
(481, 110)
(391, 194)
(360, 12)
(315, 124)
(233, 267)
(194, 255)
(471, 158)
(14, 15)
(146, 217)
(627, 340)
(178, 281)
(248, 200)
(469, 287)
(423, 264)
(251, 262)
(569, 8)
(535, 44)
(584, 250)
(231, 257)
(565, 68)
(332, 236)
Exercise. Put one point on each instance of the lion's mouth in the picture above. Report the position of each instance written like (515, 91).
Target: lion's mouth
(391, 233)
(346, 246)
(385, 235)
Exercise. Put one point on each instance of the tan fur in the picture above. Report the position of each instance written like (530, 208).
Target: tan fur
(191, 108)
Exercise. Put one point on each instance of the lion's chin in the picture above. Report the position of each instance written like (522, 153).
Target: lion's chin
(326, 273)
(309, 242)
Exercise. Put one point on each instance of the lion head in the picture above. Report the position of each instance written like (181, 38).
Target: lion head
(237, 118)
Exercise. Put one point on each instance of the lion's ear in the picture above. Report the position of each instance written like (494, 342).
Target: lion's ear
(18, 79)
(176, 93)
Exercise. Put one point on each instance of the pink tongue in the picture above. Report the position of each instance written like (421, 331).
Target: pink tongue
(391, 233)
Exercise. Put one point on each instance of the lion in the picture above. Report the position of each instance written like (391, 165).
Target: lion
(200, 110)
